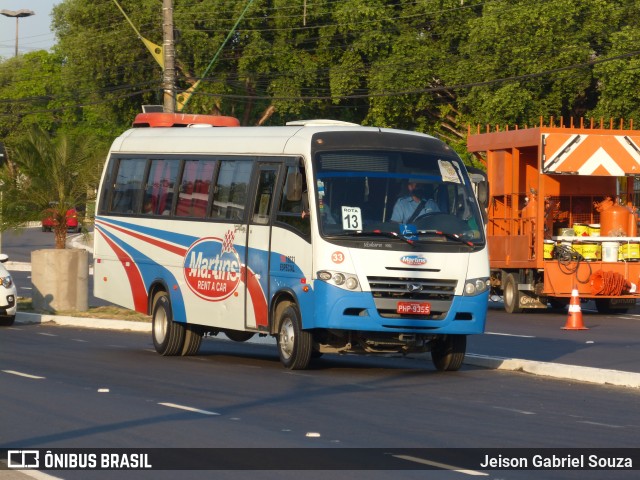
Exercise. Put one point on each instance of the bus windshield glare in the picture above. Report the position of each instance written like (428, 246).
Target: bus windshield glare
(408, 193)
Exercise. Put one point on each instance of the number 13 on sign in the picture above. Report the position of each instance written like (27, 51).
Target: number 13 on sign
(351, 218)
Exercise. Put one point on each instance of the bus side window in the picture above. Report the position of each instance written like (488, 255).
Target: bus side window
(161, 184)
(262, 209)
(107, 188)
(294, 201)
(230, 194)
(193, 196)
(126, 192)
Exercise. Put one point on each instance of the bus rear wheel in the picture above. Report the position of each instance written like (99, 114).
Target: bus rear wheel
(294, 344)
(168, 336)
(192, 341)
(448, 352)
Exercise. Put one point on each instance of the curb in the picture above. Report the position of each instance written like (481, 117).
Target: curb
(26, 318)
(561, 371)
(600, 376)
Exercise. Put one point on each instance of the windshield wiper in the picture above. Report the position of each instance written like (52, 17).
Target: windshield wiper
(378, 233)
(448, 236)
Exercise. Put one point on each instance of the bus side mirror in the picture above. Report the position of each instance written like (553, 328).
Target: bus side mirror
(294, 186)
(482, 191)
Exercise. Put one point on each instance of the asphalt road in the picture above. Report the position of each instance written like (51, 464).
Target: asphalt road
(79, 388)
(102, 389)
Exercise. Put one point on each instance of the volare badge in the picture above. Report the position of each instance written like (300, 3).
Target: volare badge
(413, 260)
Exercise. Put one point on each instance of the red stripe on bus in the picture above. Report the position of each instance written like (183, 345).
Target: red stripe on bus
(258, 299)
(153, 241)
(138, 290)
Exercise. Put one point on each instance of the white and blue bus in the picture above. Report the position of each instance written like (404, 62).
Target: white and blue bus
(293, 232)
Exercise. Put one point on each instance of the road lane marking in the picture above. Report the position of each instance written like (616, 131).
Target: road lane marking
(453, 468)
(47, 334)
(524, 412)
(26, 375)
(188, 409)
(597, 424)
(509, 335)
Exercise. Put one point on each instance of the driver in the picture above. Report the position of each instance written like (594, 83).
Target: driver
(412, 205)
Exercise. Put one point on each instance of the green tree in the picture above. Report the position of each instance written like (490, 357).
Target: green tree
(531, 59)
(619, 80)
(27, 85)
(47, 176)
(433, 66)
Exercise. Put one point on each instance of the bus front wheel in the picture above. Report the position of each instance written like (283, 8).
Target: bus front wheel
(168, 336)
(294, 344)
(447, 352)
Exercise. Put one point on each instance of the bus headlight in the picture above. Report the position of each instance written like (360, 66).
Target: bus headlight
(342, 280)
(476, 286)
(6, 281)
(351, 283)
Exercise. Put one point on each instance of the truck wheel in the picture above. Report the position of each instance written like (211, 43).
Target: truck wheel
(603, 305)
(448, 352)
(168, 336)
(294, 344)
(511, 294)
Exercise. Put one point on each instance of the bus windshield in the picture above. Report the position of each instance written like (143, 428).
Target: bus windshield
(415, 195)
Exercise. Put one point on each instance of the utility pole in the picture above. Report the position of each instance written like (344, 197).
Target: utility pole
(169, 72)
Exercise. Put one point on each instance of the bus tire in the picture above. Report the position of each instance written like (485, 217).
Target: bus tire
(192, 341)
(447, 352)
(294, 344)
(7, 321)
(238, 336)
(168, 336)
(511, 294)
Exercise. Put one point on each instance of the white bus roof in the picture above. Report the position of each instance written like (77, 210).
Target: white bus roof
(233, 140)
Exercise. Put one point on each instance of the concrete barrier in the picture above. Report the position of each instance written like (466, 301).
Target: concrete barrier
(60, 279)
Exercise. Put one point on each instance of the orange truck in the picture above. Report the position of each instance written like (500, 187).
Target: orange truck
(561, 214)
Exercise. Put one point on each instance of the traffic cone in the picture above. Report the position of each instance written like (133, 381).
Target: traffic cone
(574, 320)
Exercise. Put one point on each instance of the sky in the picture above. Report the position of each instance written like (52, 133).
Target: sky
(33, 31)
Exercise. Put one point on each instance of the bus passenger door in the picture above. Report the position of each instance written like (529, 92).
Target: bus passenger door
(256, 273)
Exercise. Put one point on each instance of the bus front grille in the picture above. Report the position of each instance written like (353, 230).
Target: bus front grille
(388, 291)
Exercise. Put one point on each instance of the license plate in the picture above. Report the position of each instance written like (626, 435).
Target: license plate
(413, 308)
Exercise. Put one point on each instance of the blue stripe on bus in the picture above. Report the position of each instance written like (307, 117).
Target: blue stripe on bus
(168, 236)
(150, 272)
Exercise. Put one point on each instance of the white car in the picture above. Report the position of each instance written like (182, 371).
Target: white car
(8, 295)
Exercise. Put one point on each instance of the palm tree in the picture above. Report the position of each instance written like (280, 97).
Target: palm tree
(47, 176)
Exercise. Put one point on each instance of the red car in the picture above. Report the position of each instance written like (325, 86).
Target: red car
(72, 222)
